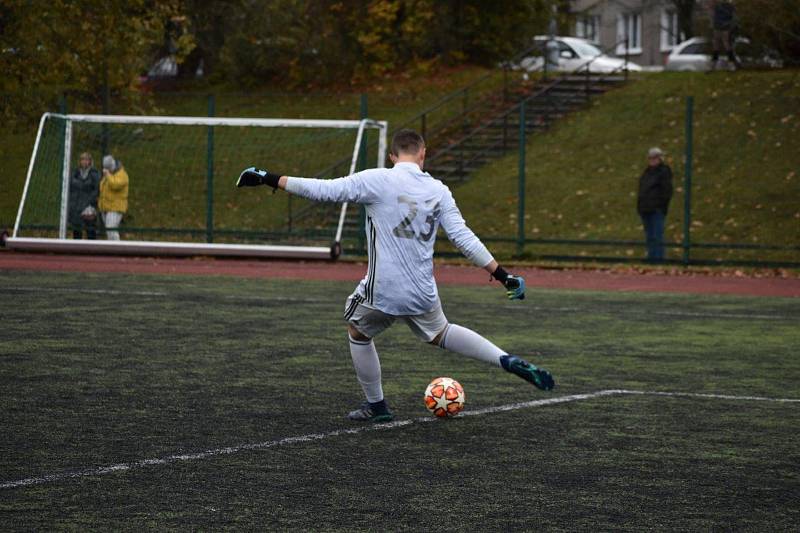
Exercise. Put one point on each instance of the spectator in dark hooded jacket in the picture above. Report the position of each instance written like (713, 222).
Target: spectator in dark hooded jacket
(84, 186)
(655, 192)
(723, 21)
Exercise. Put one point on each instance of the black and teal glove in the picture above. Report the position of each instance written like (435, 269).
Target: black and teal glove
(253, 177)
(515, 285)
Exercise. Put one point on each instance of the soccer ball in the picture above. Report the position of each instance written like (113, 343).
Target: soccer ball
(444, 397)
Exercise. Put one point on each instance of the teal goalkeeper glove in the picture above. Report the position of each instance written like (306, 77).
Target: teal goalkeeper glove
(515, 287)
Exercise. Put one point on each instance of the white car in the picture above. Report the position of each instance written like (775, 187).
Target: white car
(694, 55)
(574, 53)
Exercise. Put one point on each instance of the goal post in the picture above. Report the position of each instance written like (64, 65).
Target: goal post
(182, 172)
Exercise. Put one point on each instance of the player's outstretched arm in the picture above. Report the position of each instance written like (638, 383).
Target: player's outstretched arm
(361, 187)
(515, 285)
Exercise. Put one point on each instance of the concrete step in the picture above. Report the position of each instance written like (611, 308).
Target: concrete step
(452, 169)
(576, 89)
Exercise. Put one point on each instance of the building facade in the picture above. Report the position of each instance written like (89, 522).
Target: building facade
(651, 27)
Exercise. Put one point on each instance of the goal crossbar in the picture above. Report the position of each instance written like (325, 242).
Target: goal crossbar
(62, 244)
(219, 121)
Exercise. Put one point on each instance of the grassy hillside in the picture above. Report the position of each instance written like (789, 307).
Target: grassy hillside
(582, 175)
(396, 100)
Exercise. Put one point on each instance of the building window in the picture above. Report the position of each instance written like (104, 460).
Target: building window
(670, 31)
(629, 25)
(588, 27)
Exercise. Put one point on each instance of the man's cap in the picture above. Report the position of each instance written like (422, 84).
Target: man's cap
(655, 152)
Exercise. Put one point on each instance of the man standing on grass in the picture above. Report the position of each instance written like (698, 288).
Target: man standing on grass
(723, 21)
(405, 207)
(655, 192)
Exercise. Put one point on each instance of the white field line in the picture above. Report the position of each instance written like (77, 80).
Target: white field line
(229, 450)
(704, 395)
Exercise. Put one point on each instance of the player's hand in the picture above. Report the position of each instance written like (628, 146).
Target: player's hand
(251, 177)
(515, 287)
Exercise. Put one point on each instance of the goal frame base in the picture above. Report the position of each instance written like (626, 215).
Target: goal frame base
(173, 249)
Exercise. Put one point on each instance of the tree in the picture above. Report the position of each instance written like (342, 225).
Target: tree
(90, 48)
(772, 23)
(210, 24)
(339, 42)
(685, 9)
(83, 47)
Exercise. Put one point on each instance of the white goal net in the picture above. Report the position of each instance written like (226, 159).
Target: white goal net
(182, 171)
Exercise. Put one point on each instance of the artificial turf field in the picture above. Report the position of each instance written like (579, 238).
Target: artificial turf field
(100, 373)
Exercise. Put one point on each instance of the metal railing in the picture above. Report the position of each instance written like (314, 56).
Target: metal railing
(472, 97)
(544, 92)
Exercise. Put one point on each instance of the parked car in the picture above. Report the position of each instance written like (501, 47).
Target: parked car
(694, 55)
(164, 73)
(574, 53)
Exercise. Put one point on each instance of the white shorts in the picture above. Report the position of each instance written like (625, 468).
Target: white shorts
(370, 322)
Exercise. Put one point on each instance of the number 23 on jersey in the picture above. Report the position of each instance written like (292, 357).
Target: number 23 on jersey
(407, 229)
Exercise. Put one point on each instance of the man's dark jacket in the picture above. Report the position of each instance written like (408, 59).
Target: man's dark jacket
(655, 189)
(724, 16)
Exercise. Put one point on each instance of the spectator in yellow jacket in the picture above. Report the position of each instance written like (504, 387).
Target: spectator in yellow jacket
(113, 201)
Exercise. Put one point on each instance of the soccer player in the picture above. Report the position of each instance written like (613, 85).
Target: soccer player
(405, 206)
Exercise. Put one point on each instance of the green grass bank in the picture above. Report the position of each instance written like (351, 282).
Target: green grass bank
(582, 175)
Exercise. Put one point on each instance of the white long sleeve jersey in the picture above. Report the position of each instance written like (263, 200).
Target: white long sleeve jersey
(405, 207)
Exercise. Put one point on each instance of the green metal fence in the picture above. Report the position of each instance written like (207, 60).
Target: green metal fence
(736, 194)
(569, 192)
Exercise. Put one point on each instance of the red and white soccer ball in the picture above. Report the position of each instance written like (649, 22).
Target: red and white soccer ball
(444, 397)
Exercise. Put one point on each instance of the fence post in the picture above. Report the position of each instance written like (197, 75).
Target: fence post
(464, 106)
(463, 132)
(210, 175)
(362, 163)
(687, 182)
(106, 110)
(626, 59)
(521, 192)
(505, 131)
(505, 82)
(362, 150)
(544, 62)
(588, 81)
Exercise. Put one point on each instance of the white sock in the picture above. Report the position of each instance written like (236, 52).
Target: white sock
(467, 342)
(368, 368)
